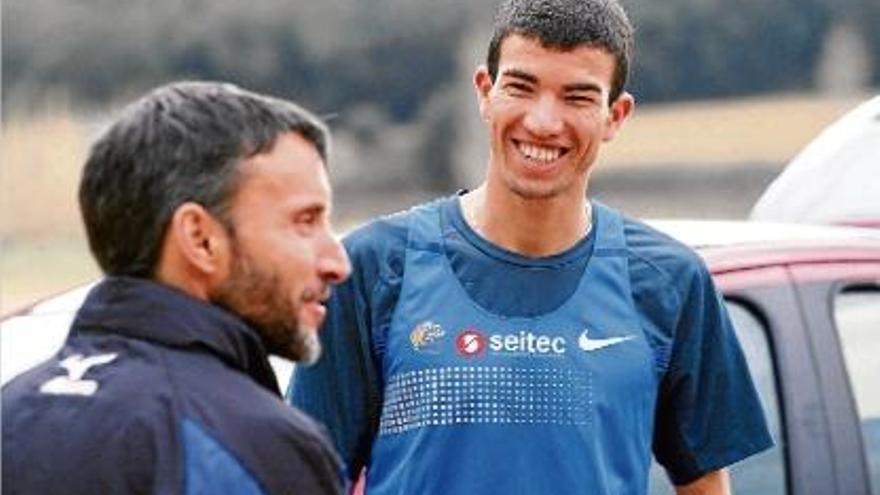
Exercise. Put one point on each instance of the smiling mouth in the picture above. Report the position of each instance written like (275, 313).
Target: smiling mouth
(538, 153)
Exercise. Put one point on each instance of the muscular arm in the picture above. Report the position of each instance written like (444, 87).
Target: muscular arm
(712, 483)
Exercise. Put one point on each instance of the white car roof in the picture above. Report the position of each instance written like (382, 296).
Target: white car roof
(835, 179)
(712, 233)
(34, 336)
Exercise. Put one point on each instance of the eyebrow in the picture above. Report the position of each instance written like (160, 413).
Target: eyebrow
(531, 78)
(587, 87)
(520, 74)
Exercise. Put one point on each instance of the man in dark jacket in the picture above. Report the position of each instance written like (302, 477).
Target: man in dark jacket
(207, 207)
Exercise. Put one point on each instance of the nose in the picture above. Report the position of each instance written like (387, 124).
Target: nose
(333, 264)
(544, 117)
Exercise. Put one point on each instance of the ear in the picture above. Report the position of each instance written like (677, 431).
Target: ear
(620, 110)
(483, 86)
(201, 242)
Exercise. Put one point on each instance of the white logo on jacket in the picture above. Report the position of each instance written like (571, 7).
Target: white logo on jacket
(76, 367)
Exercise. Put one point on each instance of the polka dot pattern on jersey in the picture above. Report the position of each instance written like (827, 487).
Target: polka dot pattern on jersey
(463, 395)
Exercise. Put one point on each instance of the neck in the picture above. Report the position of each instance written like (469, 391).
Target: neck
(530, 227)
(173, 271)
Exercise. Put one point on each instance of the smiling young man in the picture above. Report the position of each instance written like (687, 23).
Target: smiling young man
(520, 338)
(207, 207)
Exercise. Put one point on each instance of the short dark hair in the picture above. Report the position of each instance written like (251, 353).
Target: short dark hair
(567, 24)
(181, 142)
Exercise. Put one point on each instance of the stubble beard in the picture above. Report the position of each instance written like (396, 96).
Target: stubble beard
(257, 296)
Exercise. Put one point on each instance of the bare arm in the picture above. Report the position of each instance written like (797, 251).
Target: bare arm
(713, 483)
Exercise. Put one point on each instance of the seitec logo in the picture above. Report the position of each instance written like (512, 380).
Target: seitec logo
(472, 343)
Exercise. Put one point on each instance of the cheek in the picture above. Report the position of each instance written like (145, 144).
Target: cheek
(501, 120)
(297, 257)
(283, 253)
(501, 108)
(592, 128)
(300, 256)
(294, 272)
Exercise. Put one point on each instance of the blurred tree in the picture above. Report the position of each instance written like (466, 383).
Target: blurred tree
(395, 74)
(710, 48)
(393, 53)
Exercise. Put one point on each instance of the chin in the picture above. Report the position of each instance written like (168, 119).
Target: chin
(530, 190)
(305, 349)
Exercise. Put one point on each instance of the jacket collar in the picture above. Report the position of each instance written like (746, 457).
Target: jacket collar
(146, 310)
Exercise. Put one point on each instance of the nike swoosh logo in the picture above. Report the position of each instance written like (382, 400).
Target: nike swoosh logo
(590, 345)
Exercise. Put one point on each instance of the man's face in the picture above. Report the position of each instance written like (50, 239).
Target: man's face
(547, 114)
(284, 255)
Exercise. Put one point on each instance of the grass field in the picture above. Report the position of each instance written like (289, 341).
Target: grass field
(42, 247)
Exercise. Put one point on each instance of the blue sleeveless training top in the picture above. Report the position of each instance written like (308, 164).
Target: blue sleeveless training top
(480, 403)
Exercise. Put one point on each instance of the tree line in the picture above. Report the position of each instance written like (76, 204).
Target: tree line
(394, 54)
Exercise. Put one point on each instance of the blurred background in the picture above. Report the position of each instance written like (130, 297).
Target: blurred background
(728, 92)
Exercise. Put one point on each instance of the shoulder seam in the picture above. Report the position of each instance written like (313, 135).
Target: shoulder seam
(666, 277)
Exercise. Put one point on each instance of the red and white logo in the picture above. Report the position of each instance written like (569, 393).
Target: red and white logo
(470, 343)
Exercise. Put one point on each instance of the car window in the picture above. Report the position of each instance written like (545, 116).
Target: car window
(764, 473)
(857, 314)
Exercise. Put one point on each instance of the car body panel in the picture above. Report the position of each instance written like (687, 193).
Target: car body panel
(806, 439)
(793, 289)
(817, 300)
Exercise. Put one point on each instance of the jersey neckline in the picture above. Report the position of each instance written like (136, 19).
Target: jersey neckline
(453, 216)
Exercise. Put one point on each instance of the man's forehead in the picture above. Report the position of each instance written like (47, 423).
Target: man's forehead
(539, 42)
(293, 166)
(287, 149)
(521, 57)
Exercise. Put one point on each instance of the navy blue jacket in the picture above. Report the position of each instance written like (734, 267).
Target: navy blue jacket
(157, 392)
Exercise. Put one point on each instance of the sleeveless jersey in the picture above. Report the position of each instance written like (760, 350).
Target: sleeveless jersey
(481, 403)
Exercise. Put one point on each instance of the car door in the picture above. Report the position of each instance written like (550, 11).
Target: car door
(841, 307)
(763, 306)
(811, 334)
(767, 316)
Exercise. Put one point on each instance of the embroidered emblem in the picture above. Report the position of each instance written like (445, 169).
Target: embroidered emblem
(73, 383)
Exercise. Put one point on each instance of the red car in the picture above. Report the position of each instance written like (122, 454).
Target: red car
(805, 301)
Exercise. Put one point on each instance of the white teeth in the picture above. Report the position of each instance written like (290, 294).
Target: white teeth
(539, 153)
